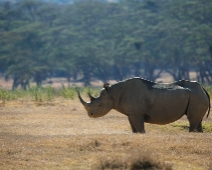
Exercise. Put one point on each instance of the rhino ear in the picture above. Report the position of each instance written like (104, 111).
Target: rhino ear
(106, 86)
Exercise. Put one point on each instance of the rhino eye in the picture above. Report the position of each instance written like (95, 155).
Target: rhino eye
(99, 105)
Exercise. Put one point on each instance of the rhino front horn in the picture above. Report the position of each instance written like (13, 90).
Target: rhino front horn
(81, 100)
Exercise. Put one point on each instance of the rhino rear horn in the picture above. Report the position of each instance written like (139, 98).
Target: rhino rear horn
(91, 97)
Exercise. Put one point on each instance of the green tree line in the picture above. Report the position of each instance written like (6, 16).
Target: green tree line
(95, 39)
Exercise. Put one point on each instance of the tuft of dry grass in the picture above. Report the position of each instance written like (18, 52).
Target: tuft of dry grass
(60, 135)
(131, 161)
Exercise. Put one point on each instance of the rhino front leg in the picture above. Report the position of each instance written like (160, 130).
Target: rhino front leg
(137, 124)
(132, 127)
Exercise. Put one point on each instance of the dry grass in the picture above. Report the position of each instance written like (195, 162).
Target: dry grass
(59, 135)
(132, 160)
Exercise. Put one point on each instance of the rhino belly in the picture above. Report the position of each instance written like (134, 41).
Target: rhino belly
(161, 120)
(165, 114)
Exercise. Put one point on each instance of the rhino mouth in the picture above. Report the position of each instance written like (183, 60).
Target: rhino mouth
(93, 115)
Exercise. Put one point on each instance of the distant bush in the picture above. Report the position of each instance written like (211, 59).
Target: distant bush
(12, 95)
(39, 93)
(134, 161)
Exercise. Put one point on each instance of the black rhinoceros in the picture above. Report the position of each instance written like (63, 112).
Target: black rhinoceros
(158, 103)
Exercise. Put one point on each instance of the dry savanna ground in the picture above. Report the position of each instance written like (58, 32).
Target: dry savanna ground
(59, 135)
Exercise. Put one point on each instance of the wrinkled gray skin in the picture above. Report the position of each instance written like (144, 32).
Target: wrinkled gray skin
(145, 101)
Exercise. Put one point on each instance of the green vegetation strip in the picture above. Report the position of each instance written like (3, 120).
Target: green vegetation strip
(207, 127)
(46, 93)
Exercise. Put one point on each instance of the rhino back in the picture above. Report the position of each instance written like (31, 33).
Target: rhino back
(197, 92)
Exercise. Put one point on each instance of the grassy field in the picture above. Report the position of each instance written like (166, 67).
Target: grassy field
(56, 133)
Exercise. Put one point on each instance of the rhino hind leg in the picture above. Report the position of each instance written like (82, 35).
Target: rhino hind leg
(195, 116)
(195, 126)
(199, 128)
(137, 124)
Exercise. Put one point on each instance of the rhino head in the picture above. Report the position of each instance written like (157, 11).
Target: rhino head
(99, 106)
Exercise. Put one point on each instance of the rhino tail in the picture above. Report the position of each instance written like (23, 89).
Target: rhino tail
(209, 101)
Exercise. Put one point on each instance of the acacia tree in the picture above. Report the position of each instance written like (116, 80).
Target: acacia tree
(192, 32)
(145, 35)
(87, 40)
(24, 47)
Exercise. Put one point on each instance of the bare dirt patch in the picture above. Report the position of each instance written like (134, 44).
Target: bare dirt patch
(59, 135)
